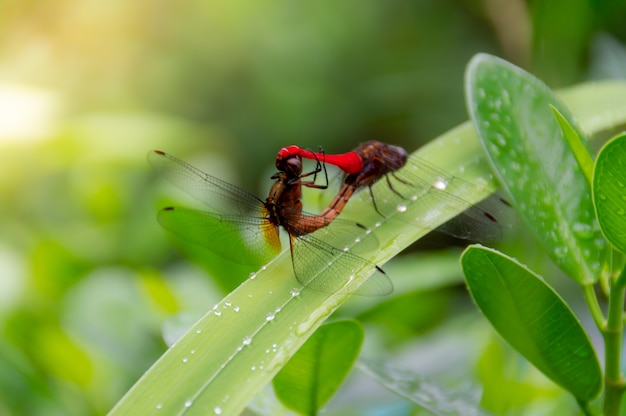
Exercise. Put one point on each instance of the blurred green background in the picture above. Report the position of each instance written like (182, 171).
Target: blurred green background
(88, 280)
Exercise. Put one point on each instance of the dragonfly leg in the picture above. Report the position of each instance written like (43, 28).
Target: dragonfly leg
(319, 167)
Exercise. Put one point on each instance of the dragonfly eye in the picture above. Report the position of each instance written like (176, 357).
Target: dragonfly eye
(292, 165)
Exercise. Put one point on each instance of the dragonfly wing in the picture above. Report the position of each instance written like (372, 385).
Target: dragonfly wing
(345, 234)
(480, 221)
(322, 267)
(245, 240)
(421, 183)
(215, 193)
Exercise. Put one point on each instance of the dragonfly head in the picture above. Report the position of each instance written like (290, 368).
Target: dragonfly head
(290, 164)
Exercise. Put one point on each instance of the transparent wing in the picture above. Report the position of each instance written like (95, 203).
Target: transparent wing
(322, 267)
(245, 240)
(344, 233)
(419, 182)
(211, 191)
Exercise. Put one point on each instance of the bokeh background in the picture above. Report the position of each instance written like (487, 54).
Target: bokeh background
(88, 281)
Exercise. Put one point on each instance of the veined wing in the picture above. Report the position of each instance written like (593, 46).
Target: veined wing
(243, 239)
(345, 234)
(419, 182)
(221, 196)
(322, 267)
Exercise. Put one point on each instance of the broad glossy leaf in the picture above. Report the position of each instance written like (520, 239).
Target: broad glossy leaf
(530, 156)
(316, 371)
(609, 191)
(531, 317)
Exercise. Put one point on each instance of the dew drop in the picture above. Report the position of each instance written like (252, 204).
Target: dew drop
(198, 331)
(500, 139)
(357, 240)
(346, 249)
(263, 267)
(192, 352)
(414, 198)
(228, 304)
(217, 410)
(185, 359)
(583, 230)
(252, 275)
(294, 292)
(188, 403)
(560, 251)
(217, 313)
(236, 308)
(158, 406)
(270, 316)
(401, 208)
(253, 368)
(246, 340)
(440, 184)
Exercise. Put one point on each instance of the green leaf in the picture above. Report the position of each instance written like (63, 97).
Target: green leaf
(530, 156)
(609, 191)
(531, 317)
(316, 371)
(425, 393)
(211, 364)
(578, 146)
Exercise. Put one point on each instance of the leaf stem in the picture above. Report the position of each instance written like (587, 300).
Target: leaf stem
(613, 334)
(594, 306)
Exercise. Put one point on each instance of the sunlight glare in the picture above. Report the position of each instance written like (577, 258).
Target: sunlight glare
(26, 113)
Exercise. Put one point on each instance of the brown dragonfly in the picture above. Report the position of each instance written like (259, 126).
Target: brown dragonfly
(419, 180)
(245, 228)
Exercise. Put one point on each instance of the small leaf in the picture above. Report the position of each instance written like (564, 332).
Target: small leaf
(530, 156)
(531, 317)
(609, 191)
(425, 393)
(316, 371)
(579, 147)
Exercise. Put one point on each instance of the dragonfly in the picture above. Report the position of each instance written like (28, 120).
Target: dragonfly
(419, 180)
(245, 229)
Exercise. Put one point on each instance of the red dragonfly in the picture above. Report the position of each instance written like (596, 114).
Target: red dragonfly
(245, 229)
(373, 160)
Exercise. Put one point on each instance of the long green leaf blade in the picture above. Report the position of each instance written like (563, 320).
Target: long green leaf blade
(531, 317)
(528, 152)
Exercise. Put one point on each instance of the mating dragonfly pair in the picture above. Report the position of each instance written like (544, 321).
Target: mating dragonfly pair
(245, 228)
